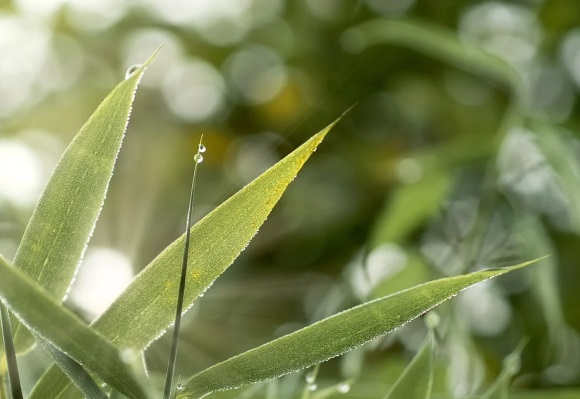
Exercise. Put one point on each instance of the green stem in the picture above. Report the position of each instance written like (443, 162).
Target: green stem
(13, 376)
(179, 308)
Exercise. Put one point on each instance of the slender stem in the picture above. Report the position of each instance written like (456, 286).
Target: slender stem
(13, 377)
(179, 308)
(310, 381)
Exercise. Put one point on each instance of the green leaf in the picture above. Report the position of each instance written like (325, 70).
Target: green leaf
(332, 336)
(398, 219)
(13, 375)
(147, 307)
(414, 272)
(511, 366)
(440, 43)
(534, 240)
(65, 216)
(417, 379)
(77, 374)
(558, 147)
(45, 317)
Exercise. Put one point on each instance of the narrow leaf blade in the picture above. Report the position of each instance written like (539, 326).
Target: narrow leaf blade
(65, 216)
(75, 372)
(13, 375)
(511, 366)
(442, 44)
(332, 336)
(46, 318)
(417, 379)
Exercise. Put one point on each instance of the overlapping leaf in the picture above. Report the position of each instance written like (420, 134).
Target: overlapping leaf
(417, 379)
(62, 329)
(147, 307)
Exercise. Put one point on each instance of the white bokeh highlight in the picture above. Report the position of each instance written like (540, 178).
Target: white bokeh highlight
(102, 277)
(21, 173)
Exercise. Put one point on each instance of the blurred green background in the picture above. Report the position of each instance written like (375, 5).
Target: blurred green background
(461, 153)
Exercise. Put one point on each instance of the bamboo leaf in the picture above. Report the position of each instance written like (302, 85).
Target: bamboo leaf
(557, 146)
(45, 317)
(441, 44)
(511, 366)
(13, 375)
(398, 219)
(65, 216)
(146, 308)
(332, 336)
(75, 372)
(417, 379)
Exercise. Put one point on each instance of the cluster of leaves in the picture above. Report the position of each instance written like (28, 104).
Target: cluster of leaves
(110, 349)
(60, 228)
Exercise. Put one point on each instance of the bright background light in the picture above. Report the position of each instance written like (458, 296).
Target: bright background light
(102, 277)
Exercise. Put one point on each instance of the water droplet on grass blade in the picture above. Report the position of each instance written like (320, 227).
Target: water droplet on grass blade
(312, 387)
(343, 388)
(432, 319)
(201, 148)
(131, 70)
(198, 158)
(180, 387)
(128, 355)
(512, 362)
(310, 378)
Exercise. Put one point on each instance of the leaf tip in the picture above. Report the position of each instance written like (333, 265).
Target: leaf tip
(318, 137)
(153, 56)
(521, 265)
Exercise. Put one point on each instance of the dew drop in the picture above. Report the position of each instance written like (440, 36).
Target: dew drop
(131, 70)
(128, 355)
(198, 158)
(512, 363)
(343, 388)
(180, 387)
(312, 387)
(201, 148)
(310, 378)
(432, 319)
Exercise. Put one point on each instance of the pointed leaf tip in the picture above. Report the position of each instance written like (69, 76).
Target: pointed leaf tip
(332, 336)
(153, 56)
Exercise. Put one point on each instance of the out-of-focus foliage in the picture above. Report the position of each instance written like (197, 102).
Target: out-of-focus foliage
(445, 166)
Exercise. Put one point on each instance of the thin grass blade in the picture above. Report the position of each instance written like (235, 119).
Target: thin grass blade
(179, 308)
(74, 371)
(511, 366)
(13, 375)
(417, 379)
